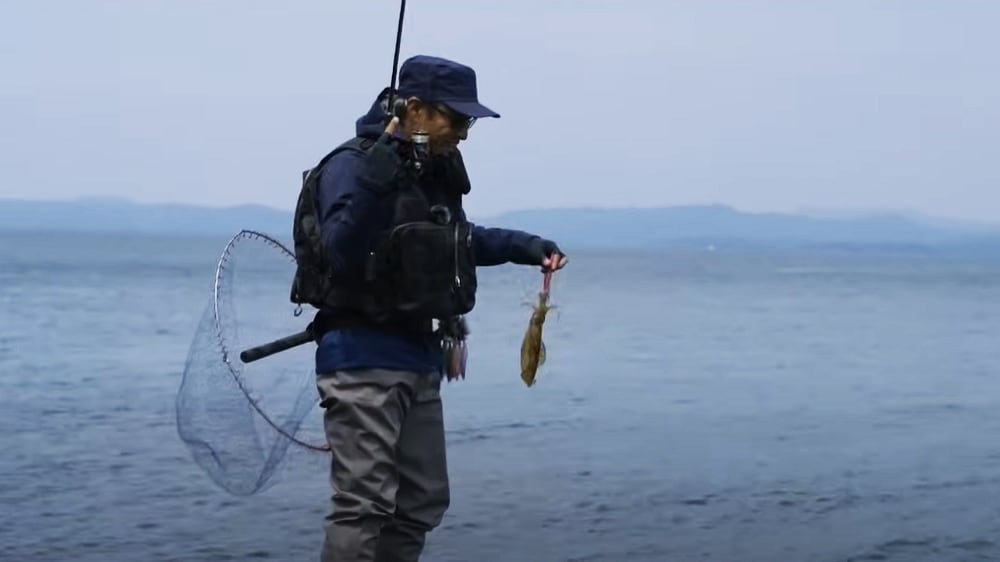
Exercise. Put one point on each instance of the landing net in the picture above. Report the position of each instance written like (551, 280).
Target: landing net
(241, 420)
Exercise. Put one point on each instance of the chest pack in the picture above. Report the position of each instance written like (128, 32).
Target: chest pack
(421, 266)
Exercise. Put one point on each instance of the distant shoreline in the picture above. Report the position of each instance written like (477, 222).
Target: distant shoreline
(691, 227)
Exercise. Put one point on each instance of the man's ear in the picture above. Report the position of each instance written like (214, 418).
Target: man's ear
(414, 105)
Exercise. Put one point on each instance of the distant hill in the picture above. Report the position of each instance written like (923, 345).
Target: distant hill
(724, 226)
(644, 228)
(121, 215)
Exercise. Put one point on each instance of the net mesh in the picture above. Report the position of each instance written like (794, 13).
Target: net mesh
(241, 420)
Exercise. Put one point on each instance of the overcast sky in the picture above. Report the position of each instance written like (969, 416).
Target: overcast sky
(764, 105)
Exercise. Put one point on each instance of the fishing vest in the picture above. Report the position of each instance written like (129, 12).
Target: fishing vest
(421, 267)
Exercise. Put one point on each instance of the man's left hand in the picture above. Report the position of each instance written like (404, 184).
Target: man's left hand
(549, 256)
(555, 264)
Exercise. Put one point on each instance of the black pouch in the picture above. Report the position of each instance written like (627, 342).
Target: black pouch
(428, 269)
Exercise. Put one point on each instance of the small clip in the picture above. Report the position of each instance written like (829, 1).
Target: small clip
(440, 214)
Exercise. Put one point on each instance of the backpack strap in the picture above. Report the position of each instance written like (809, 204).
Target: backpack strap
(358, 144)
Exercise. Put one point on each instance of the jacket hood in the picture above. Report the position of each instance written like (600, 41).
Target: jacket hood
(373, 123)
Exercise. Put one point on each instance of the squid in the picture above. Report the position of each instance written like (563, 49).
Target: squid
(532, 346)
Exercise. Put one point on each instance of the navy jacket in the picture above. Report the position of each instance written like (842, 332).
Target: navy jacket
(349, 217)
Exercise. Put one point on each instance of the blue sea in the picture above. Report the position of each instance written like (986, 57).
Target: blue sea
(696, 404)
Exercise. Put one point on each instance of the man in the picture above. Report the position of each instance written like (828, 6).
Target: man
(385, 252)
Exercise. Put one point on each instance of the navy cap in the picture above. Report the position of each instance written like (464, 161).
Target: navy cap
(438, 80)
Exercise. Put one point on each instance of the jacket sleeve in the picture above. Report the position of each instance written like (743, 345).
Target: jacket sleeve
(496, 246)
(349, 214)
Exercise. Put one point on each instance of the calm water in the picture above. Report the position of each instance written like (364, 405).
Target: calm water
(696, 406)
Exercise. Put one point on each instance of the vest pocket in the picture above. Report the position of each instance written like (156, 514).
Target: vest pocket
(431, 269)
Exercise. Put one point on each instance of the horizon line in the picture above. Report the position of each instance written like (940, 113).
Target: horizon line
(820, 213)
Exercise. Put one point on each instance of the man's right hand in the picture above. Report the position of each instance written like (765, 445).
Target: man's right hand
(383, 162)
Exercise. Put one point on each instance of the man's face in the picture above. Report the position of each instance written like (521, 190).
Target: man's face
(445, 127)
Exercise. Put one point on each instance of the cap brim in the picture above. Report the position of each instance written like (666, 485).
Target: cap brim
(471, 109)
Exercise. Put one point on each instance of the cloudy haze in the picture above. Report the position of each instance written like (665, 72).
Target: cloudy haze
(768, 105)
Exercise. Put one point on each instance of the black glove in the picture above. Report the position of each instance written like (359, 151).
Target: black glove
(540, 249)
(382, 166)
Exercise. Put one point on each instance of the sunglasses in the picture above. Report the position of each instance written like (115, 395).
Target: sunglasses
(456, 120)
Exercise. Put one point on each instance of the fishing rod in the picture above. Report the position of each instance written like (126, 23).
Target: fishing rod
(258, 352)
(395, 56)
